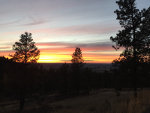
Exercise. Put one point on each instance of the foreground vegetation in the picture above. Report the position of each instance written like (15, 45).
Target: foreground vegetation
(105, 101)
(99, 101)
(23, 83)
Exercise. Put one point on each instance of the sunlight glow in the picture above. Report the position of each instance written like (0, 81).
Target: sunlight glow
(56, 58)
(53, 58)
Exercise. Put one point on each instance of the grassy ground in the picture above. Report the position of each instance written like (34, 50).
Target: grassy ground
(102, 101)
(106, 102)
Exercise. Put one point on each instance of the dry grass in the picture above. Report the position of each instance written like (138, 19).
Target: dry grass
(103, 101)
(106, 102)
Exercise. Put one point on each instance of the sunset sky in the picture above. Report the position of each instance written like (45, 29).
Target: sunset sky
(58, 26)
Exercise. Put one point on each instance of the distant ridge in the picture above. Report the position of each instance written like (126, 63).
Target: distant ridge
(98, 67)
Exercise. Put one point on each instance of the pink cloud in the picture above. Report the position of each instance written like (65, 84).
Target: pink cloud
(81, 29)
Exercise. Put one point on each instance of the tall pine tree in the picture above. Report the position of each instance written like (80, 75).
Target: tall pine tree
(25, 49)
(77, 56)
(134, 36)
(135, 33)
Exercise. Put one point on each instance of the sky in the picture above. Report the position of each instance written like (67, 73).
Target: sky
(59, 26)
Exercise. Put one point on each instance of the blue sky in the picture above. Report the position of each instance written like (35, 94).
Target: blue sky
(73, 22)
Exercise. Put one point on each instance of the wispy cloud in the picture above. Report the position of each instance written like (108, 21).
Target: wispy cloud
(86, 29)
(35, 21)
(84, 60)
(4, 48)
(100, 45)
(10, 22)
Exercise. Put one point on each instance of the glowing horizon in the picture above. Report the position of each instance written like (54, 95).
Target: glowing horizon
(51, 58)
(64, 55)
(59, 26)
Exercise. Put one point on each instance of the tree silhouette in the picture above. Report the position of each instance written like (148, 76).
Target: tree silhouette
(26, 51)
(134, 36)
(135, 33)
(3, 65)
(77, 56)
(77, 63)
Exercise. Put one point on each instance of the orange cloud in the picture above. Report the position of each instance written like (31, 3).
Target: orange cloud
(6, 53)
(59, 52)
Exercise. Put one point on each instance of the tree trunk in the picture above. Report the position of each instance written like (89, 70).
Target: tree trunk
(22, 101)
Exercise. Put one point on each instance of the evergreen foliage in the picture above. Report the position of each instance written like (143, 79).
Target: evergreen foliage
(25, 49)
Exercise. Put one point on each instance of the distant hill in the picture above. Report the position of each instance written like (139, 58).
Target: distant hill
(98, 67)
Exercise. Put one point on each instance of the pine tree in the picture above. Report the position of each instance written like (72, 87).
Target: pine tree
(135, 33)
(76, 68)
(25, 49)
(134, 37)
(77, 56)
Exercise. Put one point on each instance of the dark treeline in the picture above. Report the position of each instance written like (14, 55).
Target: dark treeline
(21, 81)
(68, 79)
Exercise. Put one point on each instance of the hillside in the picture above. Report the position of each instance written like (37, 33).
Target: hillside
(100, 101)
